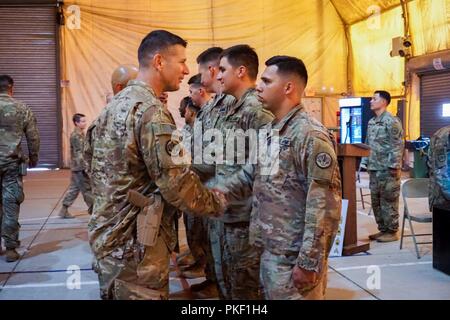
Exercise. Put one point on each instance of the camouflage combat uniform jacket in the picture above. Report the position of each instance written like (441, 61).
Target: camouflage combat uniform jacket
(16, 118)
(132, 148)
(439, 163)
(296, 208)
(76, 150)
(247, 113)
(210, 117)
(385, 138)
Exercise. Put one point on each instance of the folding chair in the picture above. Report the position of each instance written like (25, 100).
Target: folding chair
(363, 185)
(415, 188)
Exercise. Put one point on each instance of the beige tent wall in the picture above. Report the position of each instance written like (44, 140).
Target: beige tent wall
(374, 68)
(430, 29)
(111, 31)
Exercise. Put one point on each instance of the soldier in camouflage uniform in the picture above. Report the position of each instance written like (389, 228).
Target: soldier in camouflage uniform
(195, 234)
(237, 73)
(16, 119)
(79, 178)
(439, 163)
(297, 203)
(135, 149)
(385, 138)
(119, 80)
(209, 118)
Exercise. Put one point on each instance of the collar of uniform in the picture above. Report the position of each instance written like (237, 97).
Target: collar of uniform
(141, 84)
(78, 130)
(381, 116)
(241, 101)
(283, 122)
(4, 95)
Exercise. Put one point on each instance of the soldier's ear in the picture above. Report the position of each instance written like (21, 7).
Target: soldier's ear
(241, 72)
(157, 61)
(289, 88)
(213, 71)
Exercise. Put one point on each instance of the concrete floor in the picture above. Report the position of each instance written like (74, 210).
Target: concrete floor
(55, 254)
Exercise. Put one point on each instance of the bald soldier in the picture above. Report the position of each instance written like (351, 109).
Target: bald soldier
(119, 80)
(16, 120)
(120, 77)
(297, 203)
(135, 149)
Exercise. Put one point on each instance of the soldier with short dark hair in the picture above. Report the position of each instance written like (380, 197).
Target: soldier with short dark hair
(209, 118)
(238, 70)
(79, 181)
(297, 202)
(385, 139)
(135, 150)
(16, 120)
(197, 227)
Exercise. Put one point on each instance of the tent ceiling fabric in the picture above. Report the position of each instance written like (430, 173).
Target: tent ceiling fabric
(352, 11)
(110, 33)
(315, 31)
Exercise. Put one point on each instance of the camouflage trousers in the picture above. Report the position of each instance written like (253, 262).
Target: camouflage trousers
(276, 278)
(241, 262)
(79, 182)
(11, 196)
(139, 275)
(216, 234)
(197, 235)
(385, 192)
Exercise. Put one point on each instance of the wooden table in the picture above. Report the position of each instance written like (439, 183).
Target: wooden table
(348, 153)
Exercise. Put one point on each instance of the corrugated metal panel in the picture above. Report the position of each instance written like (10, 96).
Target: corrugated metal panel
(28, 53)
(434, 92)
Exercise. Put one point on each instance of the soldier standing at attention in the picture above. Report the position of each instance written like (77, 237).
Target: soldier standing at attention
(197, 227)
(385, 139)
(439, 163)
(79, 178)
(297, 204)
(208, 119)
(16, 119)
(238, 70)
(195, 235)
(135, 149)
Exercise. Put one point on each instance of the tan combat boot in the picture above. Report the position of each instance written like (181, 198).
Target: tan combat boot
(375, 236)
(64, 213)
(12, 255)
(388, 237)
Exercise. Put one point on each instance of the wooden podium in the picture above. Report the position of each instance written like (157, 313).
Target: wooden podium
(347, 154)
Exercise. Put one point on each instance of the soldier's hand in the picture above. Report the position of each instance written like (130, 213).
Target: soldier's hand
(304, 279)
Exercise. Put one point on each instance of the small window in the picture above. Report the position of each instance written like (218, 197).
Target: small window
(446, 110)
